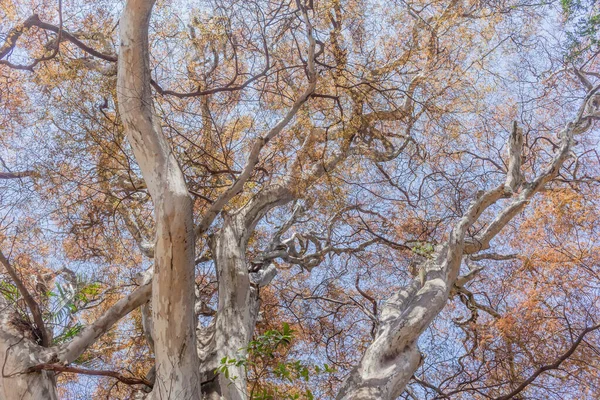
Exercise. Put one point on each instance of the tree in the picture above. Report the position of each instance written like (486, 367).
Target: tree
(225, 200)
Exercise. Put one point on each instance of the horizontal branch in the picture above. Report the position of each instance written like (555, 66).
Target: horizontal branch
(34, 20)
(16, 175)
(229, 87)
(128, 380)
(493, 256)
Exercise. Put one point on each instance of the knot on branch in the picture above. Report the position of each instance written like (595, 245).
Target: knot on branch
(593, 106)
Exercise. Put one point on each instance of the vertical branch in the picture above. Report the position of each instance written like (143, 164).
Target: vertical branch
(515, 150)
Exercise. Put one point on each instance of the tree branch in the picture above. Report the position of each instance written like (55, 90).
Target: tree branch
(17, 175)
(33, 306)
(555, 365)
(260, 142)
(34, 20)
(71, 351)
(128, 380)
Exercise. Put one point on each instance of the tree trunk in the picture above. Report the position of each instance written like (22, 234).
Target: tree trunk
(14, 384)
(238, 306)
(392, 358)
(17, 355)
(177, 366)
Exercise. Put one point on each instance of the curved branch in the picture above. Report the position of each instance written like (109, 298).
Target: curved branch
(34, 20)
(555, 365)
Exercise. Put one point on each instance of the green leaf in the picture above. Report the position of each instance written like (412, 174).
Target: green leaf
(304, 373)
(68, 334)
(9, 291)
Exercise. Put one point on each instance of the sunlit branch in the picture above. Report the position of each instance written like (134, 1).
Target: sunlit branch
(72, 350)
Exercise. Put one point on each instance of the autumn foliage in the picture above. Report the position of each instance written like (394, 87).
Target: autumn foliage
(341, 158)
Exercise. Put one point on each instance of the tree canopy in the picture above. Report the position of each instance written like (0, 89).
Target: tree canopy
(299, 199)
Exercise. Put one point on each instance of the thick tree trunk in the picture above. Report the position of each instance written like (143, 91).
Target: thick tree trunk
(14, 383)
(17, 352)
(238, 305)
(238, 295)
(392, 358)
(177, 366)
(177, 369)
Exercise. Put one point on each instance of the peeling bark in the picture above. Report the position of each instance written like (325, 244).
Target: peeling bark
(17, 350)
(15, 381)
(238, 305)
(177, 367)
